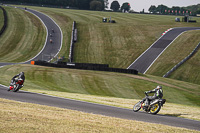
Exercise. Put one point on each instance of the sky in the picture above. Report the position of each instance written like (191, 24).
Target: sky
(139, 5)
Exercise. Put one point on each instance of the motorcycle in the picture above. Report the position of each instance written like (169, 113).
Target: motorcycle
(153, 107)
(15, 85)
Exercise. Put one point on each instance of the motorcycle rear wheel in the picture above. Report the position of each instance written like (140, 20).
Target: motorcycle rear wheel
(155, 108)
(137, 107)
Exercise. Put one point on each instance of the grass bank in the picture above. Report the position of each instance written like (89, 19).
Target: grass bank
(120, 44)
(38, 118)
(182, 46)
(101, 83)
(116, 44)
(24, 36)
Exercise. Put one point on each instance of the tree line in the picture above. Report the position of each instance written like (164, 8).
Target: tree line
(175, 10)
(160, 9)
(79, 4)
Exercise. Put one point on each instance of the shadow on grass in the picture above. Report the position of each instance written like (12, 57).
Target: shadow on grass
(175, 115)
(165, 115)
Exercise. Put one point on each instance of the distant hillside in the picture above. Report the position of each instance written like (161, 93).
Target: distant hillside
(116, 44)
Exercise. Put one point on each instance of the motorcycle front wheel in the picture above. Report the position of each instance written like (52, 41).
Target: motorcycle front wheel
(16, 88)
(155, 108)
(137, 107)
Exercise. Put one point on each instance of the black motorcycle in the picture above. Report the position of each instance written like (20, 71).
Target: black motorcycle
(153, 107)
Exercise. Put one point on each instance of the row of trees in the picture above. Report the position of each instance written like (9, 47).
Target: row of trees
(115, 6)
(80, 4)
(175, 10)
(161, 9)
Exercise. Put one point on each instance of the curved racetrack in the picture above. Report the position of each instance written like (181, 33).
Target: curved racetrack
(91, 107)
(144, 62)
(54, 33)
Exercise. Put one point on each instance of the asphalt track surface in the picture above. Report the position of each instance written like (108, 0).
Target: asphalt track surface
(85, 106)
(145, 61)
(98, 109)
(50, 50)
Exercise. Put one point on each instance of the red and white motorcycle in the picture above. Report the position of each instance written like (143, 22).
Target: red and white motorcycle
(16, 84)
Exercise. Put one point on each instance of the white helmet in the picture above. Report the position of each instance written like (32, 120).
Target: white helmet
(159, 87)
(21, 73)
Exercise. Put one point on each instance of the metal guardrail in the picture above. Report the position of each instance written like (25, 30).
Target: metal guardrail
(183, 61)
(73, 40)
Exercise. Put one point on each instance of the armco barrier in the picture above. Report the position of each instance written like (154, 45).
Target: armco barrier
(183, 61)
(5, 21)
(85, 66)
(73, 40)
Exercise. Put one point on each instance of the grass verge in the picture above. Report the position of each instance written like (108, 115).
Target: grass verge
(38, 118)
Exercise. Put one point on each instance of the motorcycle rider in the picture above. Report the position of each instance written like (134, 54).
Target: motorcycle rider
(20, 76)
(158, 93)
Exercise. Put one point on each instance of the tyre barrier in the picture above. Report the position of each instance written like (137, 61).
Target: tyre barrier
(85, 66)
(183, 61)
(5, 21)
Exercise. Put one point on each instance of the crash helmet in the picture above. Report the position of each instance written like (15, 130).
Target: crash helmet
(159, 87)
(21, 73)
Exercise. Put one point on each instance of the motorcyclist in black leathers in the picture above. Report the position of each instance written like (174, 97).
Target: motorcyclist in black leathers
(18, 76)
(158, 93)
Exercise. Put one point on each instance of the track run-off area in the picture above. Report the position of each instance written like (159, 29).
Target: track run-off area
(141, 64)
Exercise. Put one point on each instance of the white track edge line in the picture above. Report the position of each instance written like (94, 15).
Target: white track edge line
(166, 48)
(147, 49)
(45, 40)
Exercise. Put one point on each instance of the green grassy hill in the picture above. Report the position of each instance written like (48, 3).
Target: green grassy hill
(24, 36)
(115, 44)
(120, 44)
